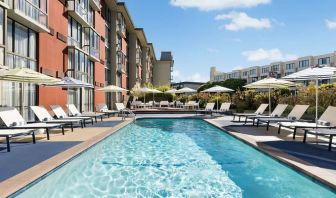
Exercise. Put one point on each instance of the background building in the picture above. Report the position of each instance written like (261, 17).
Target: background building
(162, 72)
(192, 85)
(276, 69)
(94, 41)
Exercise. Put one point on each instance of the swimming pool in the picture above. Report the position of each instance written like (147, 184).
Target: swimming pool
(174, 158)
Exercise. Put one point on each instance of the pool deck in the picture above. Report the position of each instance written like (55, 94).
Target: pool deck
(28, 162)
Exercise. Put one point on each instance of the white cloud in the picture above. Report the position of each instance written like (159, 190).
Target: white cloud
(238, 40)
(195, 77)
(241, 21)
(330, 24)
(212, 50)
(207, 5)
(269, 55)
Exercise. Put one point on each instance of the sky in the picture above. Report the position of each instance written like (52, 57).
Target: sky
(232, 34)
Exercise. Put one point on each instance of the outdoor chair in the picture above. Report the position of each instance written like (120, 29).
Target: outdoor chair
(43, 116)
(164, 104)
(261, 109)
(74, 112)
(123, 110)
(13, 120)
(327, 120)
(60, 114)
(207, 110)
(178, 104)
(320, 132)
(225, 107)
(277, 112)
(190, 104)
(102, 108)
(295, 115)
(9, 133)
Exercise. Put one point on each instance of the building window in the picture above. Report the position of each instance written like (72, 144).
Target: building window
(324, 61)
(275, 68)
(253, 72)
(265, 70)
(290, 66)
(21, 52)
(74, 33)
(303, 63)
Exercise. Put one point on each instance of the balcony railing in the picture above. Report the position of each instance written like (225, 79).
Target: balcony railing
(94, 52)
(29, 10)
(121, 29)
(77, 7)
(121, 61)
(16, 60)
(74, 42)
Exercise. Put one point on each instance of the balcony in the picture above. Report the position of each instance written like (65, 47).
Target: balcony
(95, 4)
(121, 30)
(4, 3)
(78, 12)
(29, 14)
(92, 40)
(121, 61)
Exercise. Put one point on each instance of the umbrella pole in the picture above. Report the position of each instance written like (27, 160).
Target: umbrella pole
(153, 101)
(23, 100)
(217, 101)
(269, 101)
(316, 104)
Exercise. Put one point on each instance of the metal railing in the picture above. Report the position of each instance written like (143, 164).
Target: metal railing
(30, 10)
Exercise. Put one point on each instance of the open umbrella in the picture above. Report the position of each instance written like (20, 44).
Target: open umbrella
(70, 82)
(154, 91)
(270, 83)
(172, 91)
(186, 90)
(217, 89)
(112, 89)
(144, 90)
(26, 75)
(313, 73)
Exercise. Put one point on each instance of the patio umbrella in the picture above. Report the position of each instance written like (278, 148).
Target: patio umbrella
(70, 82)
(186, 90)
(270, 83)
(172, 91)
(154, 91)
(313, 73)
(144, 90)
(26, 75)
(217, 89)
(112, 89)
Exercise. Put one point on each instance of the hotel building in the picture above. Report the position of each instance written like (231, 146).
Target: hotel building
(276, 69)
(94, 41)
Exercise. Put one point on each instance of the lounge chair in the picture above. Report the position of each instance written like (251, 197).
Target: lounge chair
(13, 120)
(277, 112)
(207, 110)
(60, 114)
(164, 104)
(74, 112)
(322, 132)
(43, 116)
(123, 110)
(190, 104)
(178, 104)
(225, 107)
(9, 133)
(295, 115)
(102, 108)
(172, 104)
(259, 111)
(327, 120)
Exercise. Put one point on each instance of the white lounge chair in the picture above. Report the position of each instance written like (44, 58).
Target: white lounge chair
(327, 120)
(123, 110)
(261, 109)
(178, 104)
(43, 116)
(295, 115)
(320, 132)
(189, 104)
(74, 112)
(60, 114)
(225, 107)
(104, 109)
(13, 120)
(277, 112)
(9, 133)
(208, 109)
(164, 104)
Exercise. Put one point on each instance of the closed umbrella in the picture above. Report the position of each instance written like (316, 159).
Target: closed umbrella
(270, 83)
(313, 73)
(26, 75)
(217, 89)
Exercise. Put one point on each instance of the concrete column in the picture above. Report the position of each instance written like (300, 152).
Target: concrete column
(132, 59)
(144, 63)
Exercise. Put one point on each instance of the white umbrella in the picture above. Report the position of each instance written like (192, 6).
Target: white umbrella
(144, 90)
(154, 91)
(26, 75)
(172, 91)
(217, 89)
(270, 83)
(70, 82)
(186, 90)
(112, 89)
(313, 73)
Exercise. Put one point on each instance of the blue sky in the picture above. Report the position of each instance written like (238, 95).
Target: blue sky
(233, 34)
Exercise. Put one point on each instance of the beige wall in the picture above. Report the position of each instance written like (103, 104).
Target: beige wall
(162, 73)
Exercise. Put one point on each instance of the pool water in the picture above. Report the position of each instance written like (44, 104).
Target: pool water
(174, 158)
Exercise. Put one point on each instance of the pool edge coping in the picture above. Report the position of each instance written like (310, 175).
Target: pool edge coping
(278, 155)
(13, 185)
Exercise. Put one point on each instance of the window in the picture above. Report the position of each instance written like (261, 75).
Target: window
(253, 72)
(324, 61)
(290, 66)
(275, 68)
(21, 52)
(74, 33)
(303, 63)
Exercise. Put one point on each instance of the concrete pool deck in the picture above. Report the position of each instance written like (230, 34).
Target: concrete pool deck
(314, 160)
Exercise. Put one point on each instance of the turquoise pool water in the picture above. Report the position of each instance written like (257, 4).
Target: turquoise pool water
(174, 158)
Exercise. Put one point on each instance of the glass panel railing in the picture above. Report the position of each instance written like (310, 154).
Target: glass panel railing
(30, 10)
(73, 42)
(76, 6)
